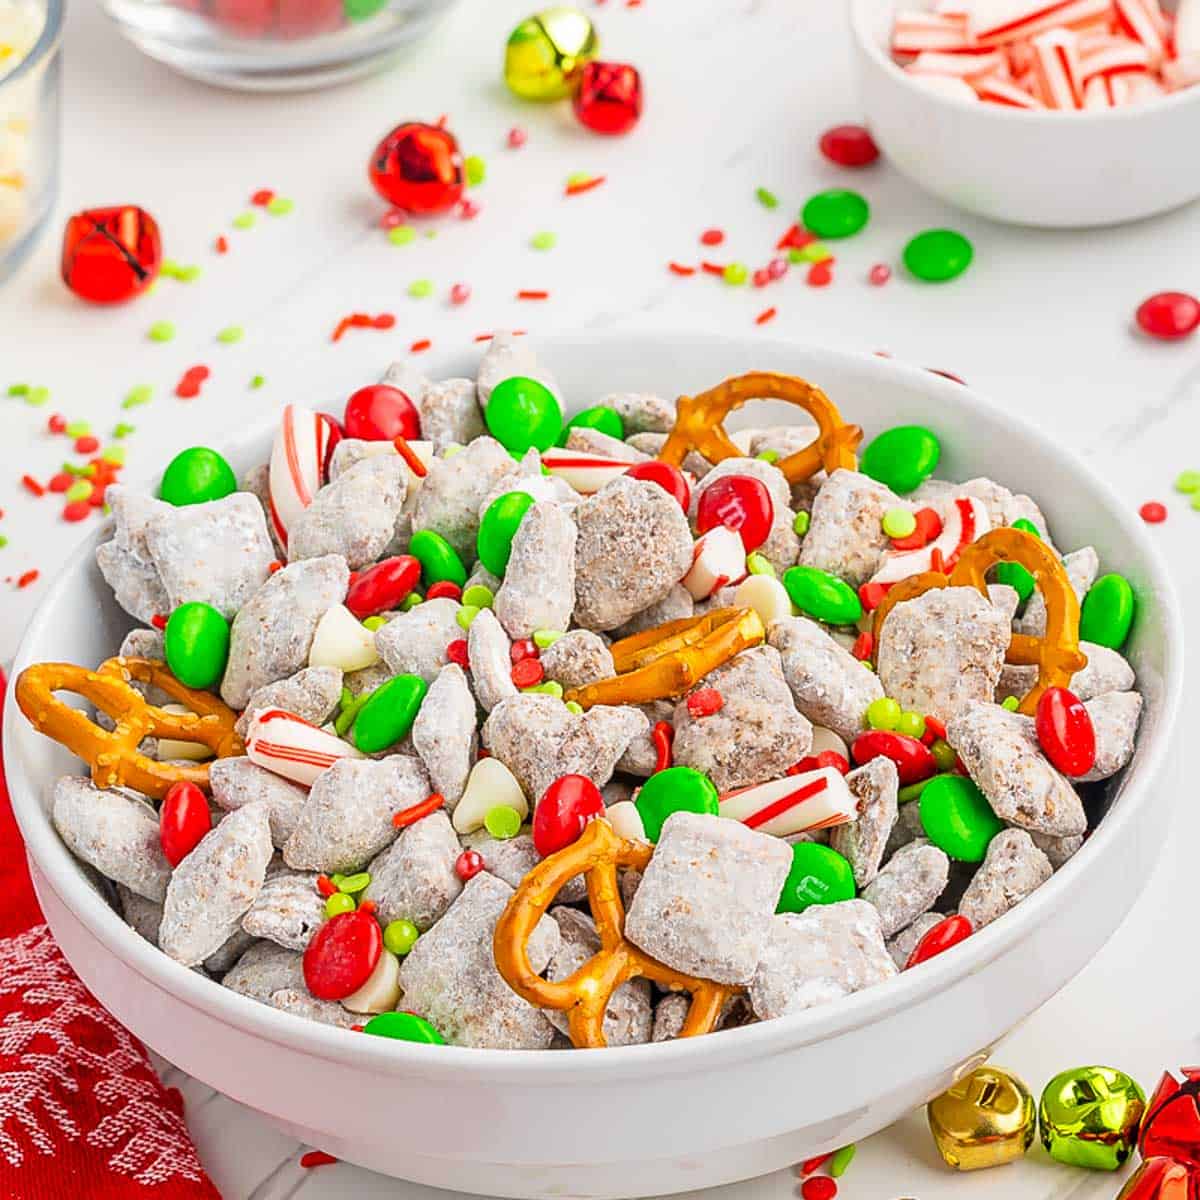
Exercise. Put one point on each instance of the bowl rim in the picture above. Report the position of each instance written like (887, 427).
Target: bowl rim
(861, 12)
(59, 870)
(44, 47)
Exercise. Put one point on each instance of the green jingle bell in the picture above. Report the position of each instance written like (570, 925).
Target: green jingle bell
(546, 52)
(1089, 1117)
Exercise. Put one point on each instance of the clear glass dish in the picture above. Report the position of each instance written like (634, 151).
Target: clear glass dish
(274, 45)
(30, 39)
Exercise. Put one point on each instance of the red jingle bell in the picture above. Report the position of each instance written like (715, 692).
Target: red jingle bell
(418, 168)
(380, 413)
(111, 254)
(565, 808)
(670, 479)
(1161, 1179)
(741, 503)
(1171, 1126)
(183, 820)
(609, 99)
(1065, 732)
(342, 954)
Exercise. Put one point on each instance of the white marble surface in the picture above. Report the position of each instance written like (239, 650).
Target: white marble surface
(737, 92)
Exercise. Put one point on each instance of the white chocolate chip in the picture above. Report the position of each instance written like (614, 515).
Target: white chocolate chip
(490, 785)
(341, 640)
(381, 992)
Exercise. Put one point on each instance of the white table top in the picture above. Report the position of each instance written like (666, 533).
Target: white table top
(1042, 320)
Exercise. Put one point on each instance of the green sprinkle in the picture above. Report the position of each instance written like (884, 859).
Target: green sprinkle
(452, 449)
(230, 334)
(575, 707)
(1196, 503)
(72, 469)
(349, 713)
(478, 596)
(374, 623)
(502, 822)
(4, 542)
(543, 639)
(244, 221)
(794, 255)
(257, 381)
(430, 233)
(550, 688)
(466, 614)
(400, 937)
(474, 169)
(87, 472)
(841, 1160)
(339, 903)
(280, 206)
(347, 697)
(1011, 703)
(401, 235)
(766, 198)
(142, 394)
(77, 429)
(420, 288)
(898, 522)
(351, 884)
(1188, 481)
(161, 331)
(578, 177)
(18, 389)
(800, 524)
(544, 240)
(768, 456)
(757, 564)
(814, 252)
(173, 270)
(79, 491)
(122, 430)
(913, 790)
(37, 396)
(114, 455)
(736, 273)
(411, 601)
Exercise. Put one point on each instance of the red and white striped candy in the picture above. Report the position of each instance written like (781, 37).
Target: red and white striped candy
(964, 65)
(586, 473)
(1001, 91)
(944, 85)
(297, 468)
(966, 520)
(997, 22)
(1182, 72)
(1136, 88)
(1187, 29)
(718, 558)
(914, 32)
(1098, 93)
(1056, 68)
(795, 804)
(289, 746)
(1118, 56)
(1144, 22)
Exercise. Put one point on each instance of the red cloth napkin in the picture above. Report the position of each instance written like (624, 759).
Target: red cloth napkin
(82, 1113)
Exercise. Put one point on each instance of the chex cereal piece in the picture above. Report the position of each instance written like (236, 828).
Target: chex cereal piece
(527, 477)
(1056, 849)
(227, 953)
(1006, 599)
(1106, 671)
(217, 553)
(288, 910)
(355, 515)
(414, 878)
(1082, 567)
(271, 635)
(214, 886)
(641, 755)
(300, 1003)
(114, 831)
(577, 659)
(845, 533)
(538, 591)
(443, 734)
(822, 954)
(905, 942)
(1004, 506)
(452, 492)
(450, 975)
(489, 653)
(1001, 753)
(875, 785)
(634, 545)
(312, 694)
(669, 1015)
(584, 440)
(694, 464)
(909, 884)
(414, 642)
(1115, 720)
(511, 859)
(829, 685)
(125, 560)
(141, 915)
(642, 412)
(674, 606)
(237, 782)
(450, 413)
(706, 899)
(508, 354)
(265, 968)
(1013, 868)
(757, 733)
(907, 829)
(628, 1020)
(941, 650)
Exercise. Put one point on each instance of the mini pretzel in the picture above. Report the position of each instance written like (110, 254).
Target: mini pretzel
(1056, 653)
(114, 756)
(699, 425)
(585, 993)
(667, 660)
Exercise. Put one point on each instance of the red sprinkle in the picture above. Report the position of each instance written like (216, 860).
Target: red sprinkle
(934, 726)
(316, 1158)
(414, 813)
(23, 581)
(468, 210)
(819, 274)
(818, 1187)
(712, 237)
(767, 314)
(392, 218)
(418, 346)
(679, 269)
(158, 621)
(1152, 512)
(712, 268)
(460, 293)
(406, 452)
(60, 482)
(761, 277)
(384, 321)
(468, 864)
(528, 672)
(523, 648)
(814, 1164)
(76, 510)
(584, 185)
(362, 321)
(368, 906)
(663, 737)
(444, 589)
(871, 595)
(456, 652)
(517, 137)
(262, 197)
(274, 566)
(879, 274)
(864, 646)
(703, 702)
(57, 423)
(532, 294)
(795, 238)
(937, 561)
(87, 444)
(325, 885)
(32, 485)
(222, 245)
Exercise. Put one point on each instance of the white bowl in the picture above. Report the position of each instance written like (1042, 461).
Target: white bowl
(1062, 170)
(650, 1119)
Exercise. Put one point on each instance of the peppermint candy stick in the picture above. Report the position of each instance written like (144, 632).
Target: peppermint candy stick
(291, 747)
(297, 468)
(586, 473)
(918, 31)
(718, 558)
(966, 520)
(1056, 68)
(795, 804)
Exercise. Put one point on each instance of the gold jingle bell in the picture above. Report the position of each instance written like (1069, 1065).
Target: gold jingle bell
(1089, 1117)
(986, 1119)
(546, 52)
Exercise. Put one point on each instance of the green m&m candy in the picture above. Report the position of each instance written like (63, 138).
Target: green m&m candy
(957, 817)
(389, 713)
(822, 596)
(196, 476)
(677, 789)
(499, 527)
(902, 458)
(601, 417)
(1017, 577)
(439, 560)
(522, 412)
(938, 254)
(819, 875)
(837, 213)
(1107, 612)
(196, 644)
(404, 1027)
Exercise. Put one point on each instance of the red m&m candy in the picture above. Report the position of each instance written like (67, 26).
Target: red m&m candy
(1169, 315)
(741, 503)
(380, 413)
(913, 760)
(849, 146)
(342, 954)
(1065, 731)
(183, 820)
(669, 478)
(384, 586)
(563, 811)
(941, 937)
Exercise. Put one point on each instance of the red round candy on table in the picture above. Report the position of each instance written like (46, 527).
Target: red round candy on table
(418, 167)
(941, 937)
(1169, 315)
(670, 479)
(849, 146)
(380, 413)
(1065, 731)
(563, 811)
(819, 1187)
(183, 820)
(913, 760)
(741, 503)
(342, 954)
(383, 587)
(705, 701)
(609, 98)
(1153, 512)
(111, 254)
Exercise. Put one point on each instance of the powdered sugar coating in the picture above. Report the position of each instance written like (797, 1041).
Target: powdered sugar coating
(675, 605)
(489, 653)
(509, 354)
(1012, 869)
(443, 734)
(862, 842)
(311, 694)
(237, 782)
(414, 878)
(125, 560)
(1115, 720)
(414, 643)
(450, 413)
(642, 412)
(845, 533)
(450, 496)
(909, 884)
(263, 969)
(538, 591)
(577, 659)
(288, 910)
(905, 942)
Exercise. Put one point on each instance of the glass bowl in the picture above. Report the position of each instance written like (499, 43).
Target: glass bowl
(274, 45)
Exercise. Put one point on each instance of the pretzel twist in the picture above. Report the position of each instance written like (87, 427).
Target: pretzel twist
(585, 993)
(699, 425)
(113, 756)
(1056, 653)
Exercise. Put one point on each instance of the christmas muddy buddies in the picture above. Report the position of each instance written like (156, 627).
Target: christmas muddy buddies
(458, 721)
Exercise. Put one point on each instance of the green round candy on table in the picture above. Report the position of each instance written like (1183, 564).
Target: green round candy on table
(1017, 577)
(196, 476)
(196, 644)
(938, 254)
(389, 713)
(677, 789)
(400, 937)
(819, 875)
(822, 596)
(522, 412)
(1107, 612)
(403, 1027)
(957, 817)
(498, 528)
(601, 417)
(902, 457)
(439, 560)
(837, 213)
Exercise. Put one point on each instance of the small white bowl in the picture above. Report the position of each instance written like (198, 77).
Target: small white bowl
(1059, 170)
(648, 1120)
